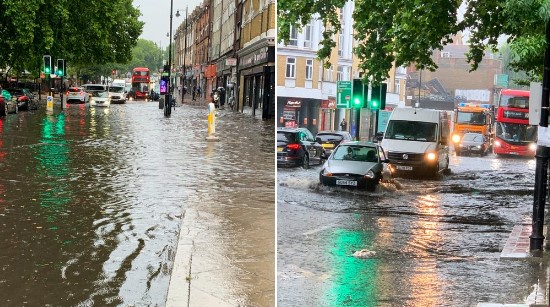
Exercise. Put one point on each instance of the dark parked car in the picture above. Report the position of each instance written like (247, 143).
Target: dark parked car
(8, 104)
(356, 164)
(473, 143)
(330, 139)
(25, 99)
(296, 146)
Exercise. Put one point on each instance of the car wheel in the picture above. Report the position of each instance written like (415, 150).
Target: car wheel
(305, 161)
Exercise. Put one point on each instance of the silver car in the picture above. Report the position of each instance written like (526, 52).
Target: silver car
(356, 164)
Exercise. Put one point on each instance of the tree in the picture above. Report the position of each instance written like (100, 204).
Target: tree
(408, 32)
(80, 31)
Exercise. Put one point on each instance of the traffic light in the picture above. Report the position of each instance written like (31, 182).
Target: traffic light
(378, 97)
(358, 94)
(47, 64)
(60, 67)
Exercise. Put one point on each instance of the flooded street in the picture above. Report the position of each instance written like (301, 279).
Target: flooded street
(92, 201)
(437, 242)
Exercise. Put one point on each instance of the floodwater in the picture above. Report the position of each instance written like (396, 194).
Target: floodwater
(437, 242)
(92, 200)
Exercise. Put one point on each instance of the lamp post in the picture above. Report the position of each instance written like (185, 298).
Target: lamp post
(184, 55)
(167, 100)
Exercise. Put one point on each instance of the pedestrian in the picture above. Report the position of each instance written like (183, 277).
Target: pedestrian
(198, 92)
(344, 125)
(194, 92)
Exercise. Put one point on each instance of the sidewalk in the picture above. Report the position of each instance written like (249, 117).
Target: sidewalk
(517, 248)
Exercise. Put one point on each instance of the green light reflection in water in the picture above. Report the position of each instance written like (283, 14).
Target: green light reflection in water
(53, 168)
(353, 280)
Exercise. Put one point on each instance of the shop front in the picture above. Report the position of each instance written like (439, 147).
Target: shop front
(299, 112)
(256, 71)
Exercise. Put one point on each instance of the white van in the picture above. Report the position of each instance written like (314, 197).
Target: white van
(416, 141)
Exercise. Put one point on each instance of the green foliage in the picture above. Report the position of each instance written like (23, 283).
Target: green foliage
(408, 31)
(83, 32)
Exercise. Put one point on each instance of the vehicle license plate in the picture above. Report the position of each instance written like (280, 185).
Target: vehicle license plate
(404, 167)
(279, 149)
(328, 145)
(346, 182)
(513, 153)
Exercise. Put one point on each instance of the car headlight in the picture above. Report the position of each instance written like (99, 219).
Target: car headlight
(369, 174)
(456, 138)
(533, 146)
(477, 147)
(326, 173)
(431, 156)
(461, 145)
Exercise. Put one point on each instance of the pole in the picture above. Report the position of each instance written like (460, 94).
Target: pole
(542, 156)
(167, 100)
(184, 56)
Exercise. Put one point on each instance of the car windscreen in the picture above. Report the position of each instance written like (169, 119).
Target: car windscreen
(102, 94)
(329, 137)
(470, 137)
(74, 89)
(356, 153)
(95, 88)
(411, 130)
(286, 137)
(116, 89)
(16, 92)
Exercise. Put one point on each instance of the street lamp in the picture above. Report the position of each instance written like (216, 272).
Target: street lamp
(167, 100)
(184, 54)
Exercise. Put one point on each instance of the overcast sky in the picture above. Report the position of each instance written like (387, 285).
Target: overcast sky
(156, 15)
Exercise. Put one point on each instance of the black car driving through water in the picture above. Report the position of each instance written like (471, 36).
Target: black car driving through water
(296, 146)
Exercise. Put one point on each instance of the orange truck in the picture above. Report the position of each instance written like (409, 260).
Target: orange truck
(477, 118)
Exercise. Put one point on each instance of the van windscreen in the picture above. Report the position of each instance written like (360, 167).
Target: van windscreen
(411, 130)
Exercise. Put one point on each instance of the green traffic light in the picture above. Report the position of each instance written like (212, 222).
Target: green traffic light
(374, 105)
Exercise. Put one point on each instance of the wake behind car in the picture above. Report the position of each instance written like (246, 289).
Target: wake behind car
(356, 164)
(77, 95)
(473, 143)
(296, 146)
(330, 139)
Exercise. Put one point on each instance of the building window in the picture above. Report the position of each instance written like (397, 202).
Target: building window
(293, 39)
(340, 42)
(340, 74)
(328, 74)
(290, 67)
(320, 71)
(309, 69)
(397, 88)
(307, 36)
(445, 54)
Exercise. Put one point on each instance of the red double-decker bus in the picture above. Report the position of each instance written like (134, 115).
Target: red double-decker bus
(513, 134)
(141, 83)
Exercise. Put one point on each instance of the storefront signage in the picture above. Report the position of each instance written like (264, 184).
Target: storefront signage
(230, 61)
(328, 104)
(293, 103)
(289, 115)
(257, 57)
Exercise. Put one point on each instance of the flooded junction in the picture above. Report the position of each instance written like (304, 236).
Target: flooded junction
(92, 201)
(434, 242)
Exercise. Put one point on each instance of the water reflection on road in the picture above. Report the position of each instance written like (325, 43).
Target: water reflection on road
(91, 200)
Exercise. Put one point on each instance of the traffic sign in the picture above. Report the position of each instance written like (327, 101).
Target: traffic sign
(343, 95)
(49, 103)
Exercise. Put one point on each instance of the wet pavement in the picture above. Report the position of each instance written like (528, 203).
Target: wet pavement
(436, 242)
(92, 202)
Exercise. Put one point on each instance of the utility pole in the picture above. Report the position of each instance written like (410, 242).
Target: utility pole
(542, 156)
(167, 100)
(184, 56)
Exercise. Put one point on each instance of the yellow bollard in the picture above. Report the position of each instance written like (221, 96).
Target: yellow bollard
(49, 104)
(211, 131)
